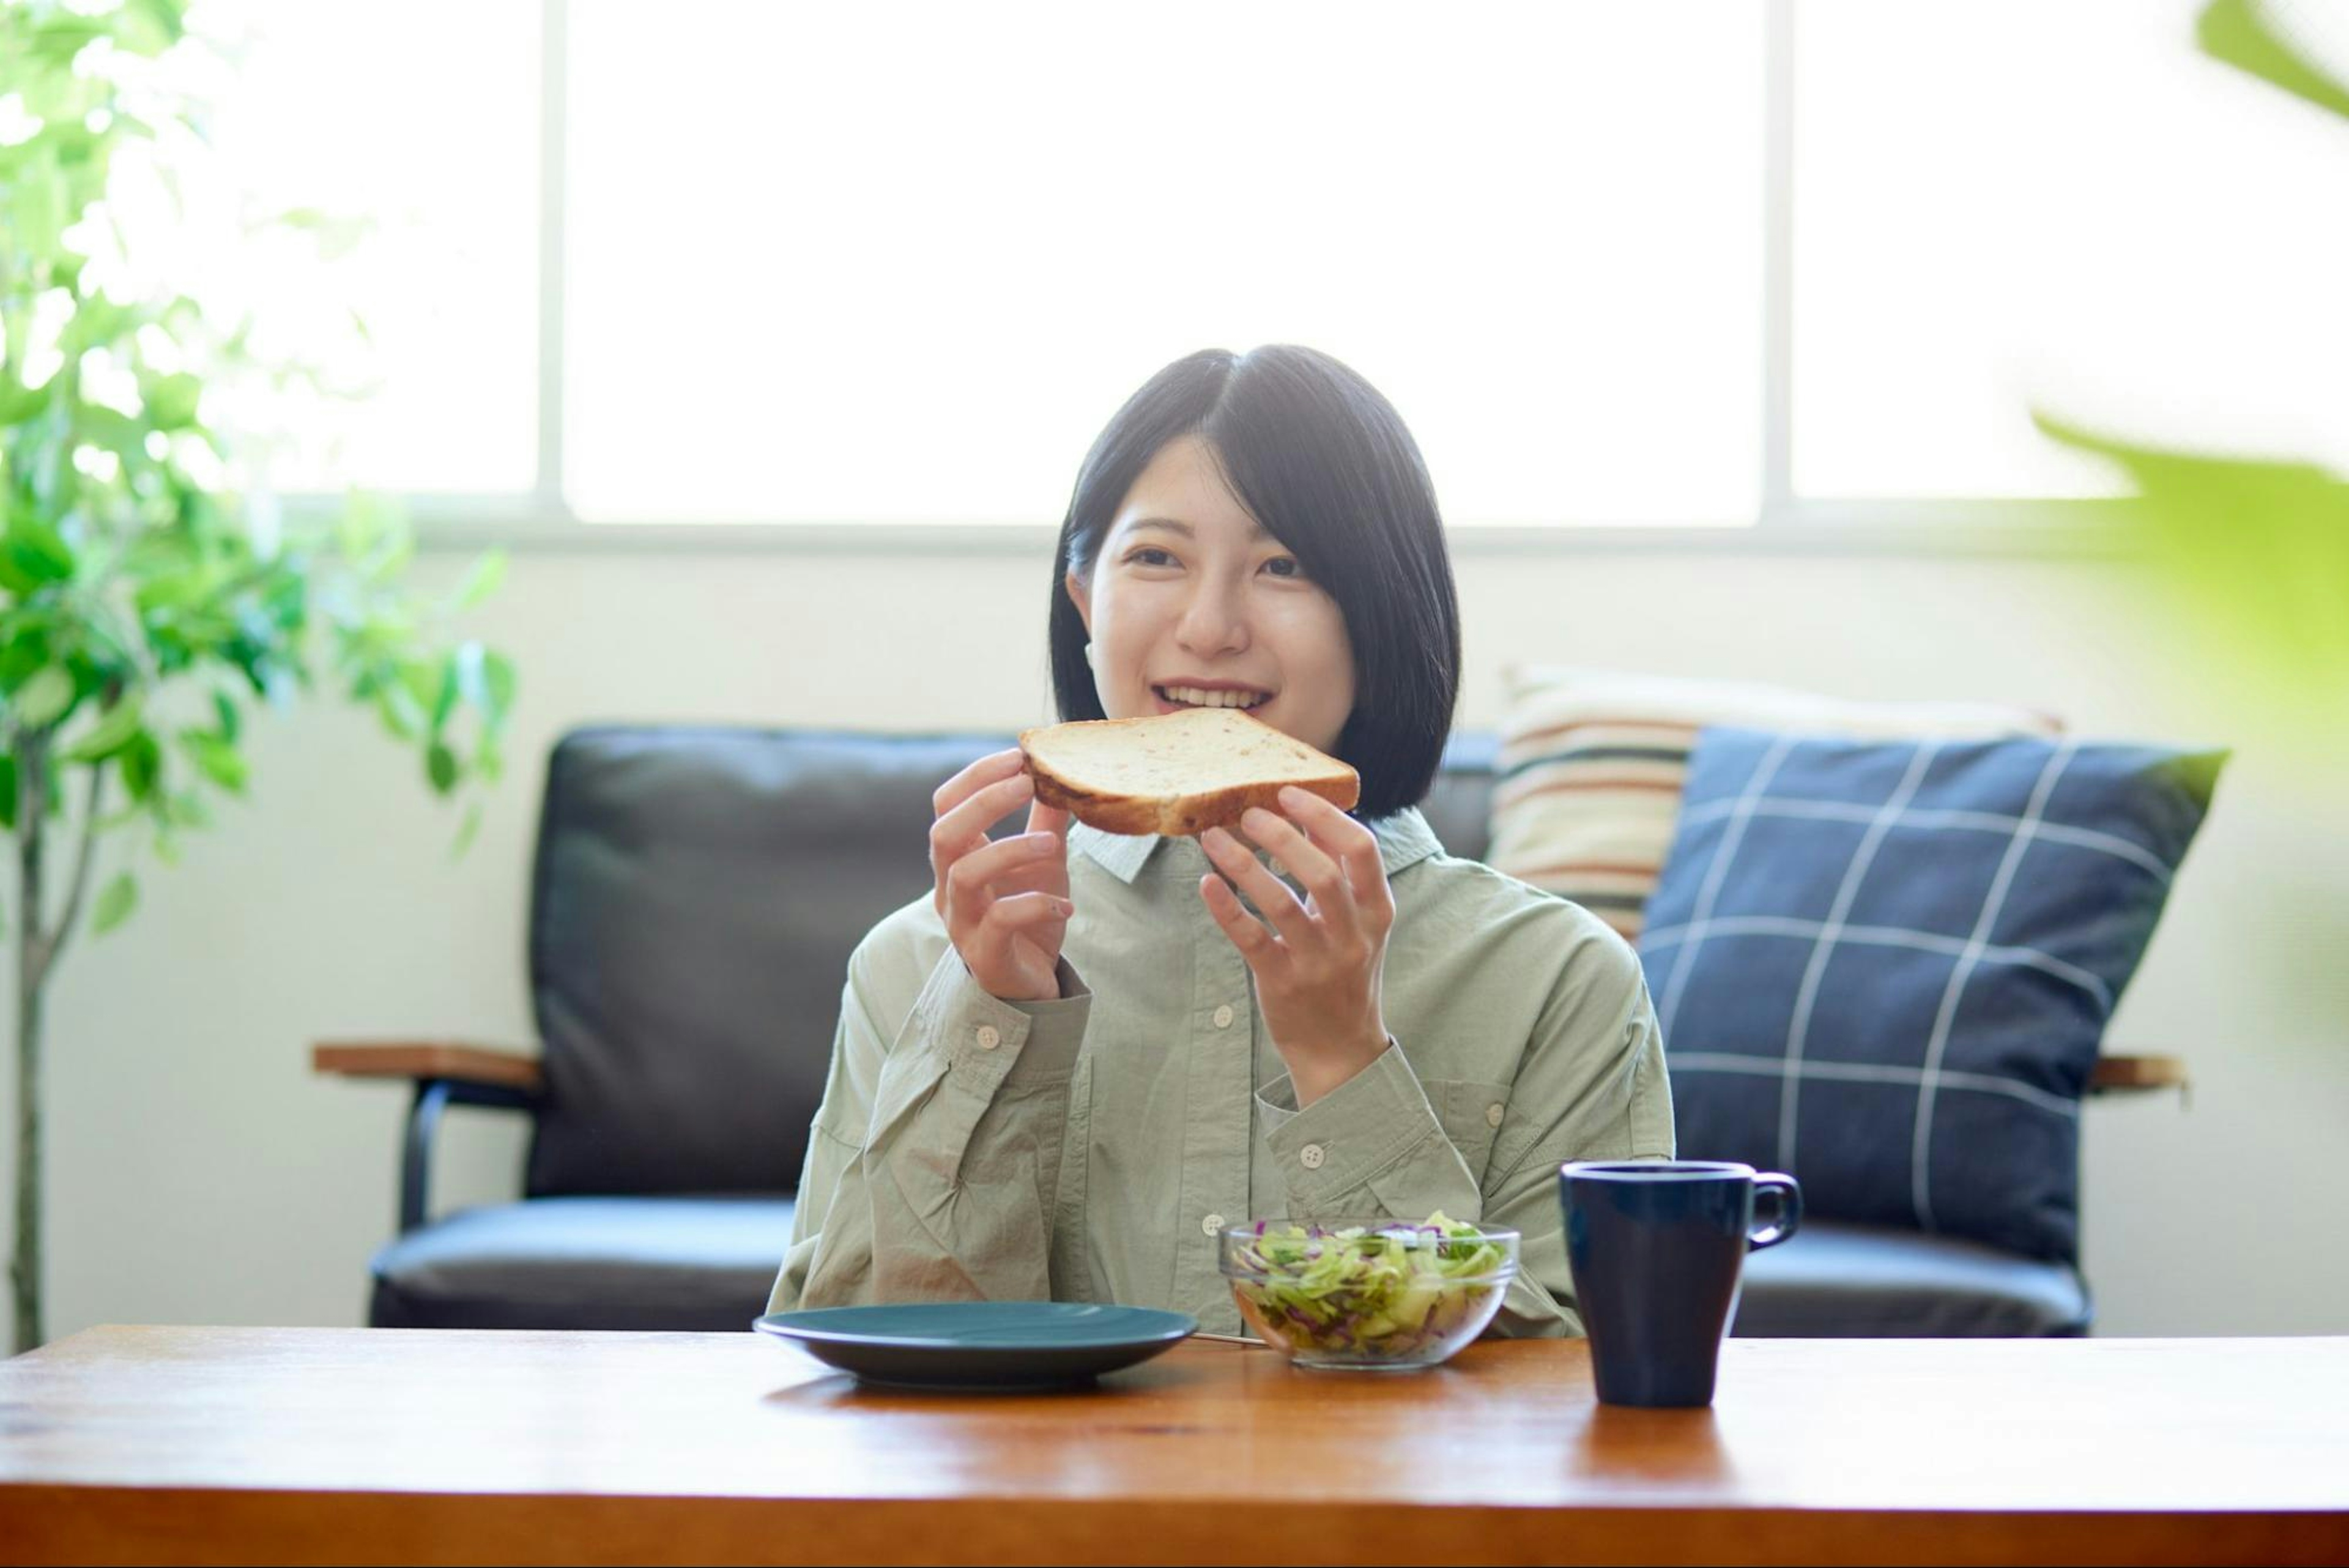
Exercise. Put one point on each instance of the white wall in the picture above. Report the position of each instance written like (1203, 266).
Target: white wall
(198, 1173)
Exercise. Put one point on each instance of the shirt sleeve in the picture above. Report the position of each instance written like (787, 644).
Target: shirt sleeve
(934, 1159)
(1591, 1085)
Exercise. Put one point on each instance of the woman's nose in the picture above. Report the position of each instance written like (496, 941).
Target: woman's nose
(1214, 622)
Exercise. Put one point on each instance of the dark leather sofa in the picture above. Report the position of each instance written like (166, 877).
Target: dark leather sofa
(696, 895)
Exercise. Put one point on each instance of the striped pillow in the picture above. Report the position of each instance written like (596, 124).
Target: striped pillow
(1592, 762)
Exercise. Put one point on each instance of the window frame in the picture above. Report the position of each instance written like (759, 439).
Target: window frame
(1786, 523)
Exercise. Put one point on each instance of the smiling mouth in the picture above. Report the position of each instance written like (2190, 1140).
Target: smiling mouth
(1199, 697)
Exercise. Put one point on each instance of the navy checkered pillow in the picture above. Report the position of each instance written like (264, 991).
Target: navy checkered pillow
(1887, 967)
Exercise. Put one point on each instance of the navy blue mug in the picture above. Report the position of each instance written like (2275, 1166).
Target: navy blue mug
(1658, 1250)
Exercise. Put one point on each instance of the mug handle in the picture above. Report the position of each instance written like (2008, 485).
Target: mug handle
(1785, 1197)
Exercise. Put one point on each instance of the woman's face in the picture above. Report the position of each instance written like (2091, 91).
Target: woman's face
(1191, 602)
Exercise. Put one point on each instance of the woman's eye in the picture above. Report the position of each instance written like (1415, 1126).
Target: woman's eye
(1150, 555)
(1283, 567)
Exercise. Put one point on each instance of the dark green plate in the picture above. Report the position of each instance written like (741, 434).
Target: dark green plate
(981, 1344)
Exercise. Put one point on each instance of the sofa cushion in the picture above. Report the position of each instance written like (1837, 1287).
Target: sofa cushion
(1591, 763)
(679, 1263)
(1835, 1281)
(1886, 967)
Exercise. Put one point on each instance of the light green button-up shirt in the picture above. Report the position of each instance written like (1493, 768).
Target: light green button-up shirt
(1089, 1148)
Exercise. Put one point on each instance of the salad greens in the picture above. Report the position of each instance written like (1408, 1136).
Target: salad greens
(1393, 1292)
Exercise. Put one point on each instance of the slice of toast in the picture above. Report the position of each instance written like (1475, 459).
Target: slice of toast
(1177, 774)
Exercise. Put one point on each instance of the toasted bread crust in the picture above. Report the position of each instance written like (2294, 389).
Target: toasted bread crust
(1176, 815)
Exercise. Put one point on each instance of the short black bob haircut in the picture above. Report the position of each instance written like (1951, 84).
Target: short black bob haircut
(1325, 464)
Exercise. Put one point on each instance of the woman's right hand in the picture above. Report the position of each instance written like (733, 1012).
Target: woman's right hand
(1005, 900)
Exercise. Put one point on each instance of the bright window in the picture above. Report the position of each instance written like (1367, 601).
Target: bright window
(893, 263)
(420, 121)
(898, 261)
(2011, 202)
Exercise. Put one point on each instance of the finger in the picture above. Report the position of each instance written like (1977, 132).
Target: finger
(1054, 820)
(965, 824)
(1256, 945)
(989, 769)
(1003, 866)
(1271, 896)
(1343, 839)
(1022, 935)
(974, 880)
(1023, 911)
(962, 827)
(1322, 876)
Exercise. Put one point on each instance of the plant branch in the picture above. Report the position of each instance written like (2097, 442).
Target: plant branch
(48, 945)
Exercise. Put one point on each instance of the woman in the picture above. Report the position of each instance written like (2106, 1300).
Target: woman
(1061, 1073)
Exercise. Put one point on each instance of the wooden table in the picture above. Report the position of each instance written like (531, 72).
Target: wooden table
(281, 1445)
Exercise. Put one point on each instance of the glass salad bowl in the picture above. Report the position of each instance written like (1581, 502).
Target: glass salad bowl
(1373, 1295)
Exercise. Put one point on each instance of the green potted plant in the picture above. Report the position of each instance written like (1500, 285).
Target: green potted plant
(146, 607)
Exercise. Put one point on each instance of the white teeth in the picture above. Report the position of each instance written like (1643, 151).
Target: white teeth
(1199, 698)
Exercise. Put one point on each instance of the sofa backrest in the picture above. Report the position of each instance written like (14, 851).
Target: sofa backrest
(697, 893)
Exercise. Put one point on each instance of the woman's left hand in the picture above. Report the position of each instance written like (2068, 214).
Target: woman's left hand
(1317, 962)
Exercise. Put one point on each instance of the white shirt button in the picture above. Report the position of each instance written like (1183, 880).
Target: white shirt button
(1492, 1116)
(1223, 1017)
(1312, 1156)
(988, 1037)
(1212, 1223)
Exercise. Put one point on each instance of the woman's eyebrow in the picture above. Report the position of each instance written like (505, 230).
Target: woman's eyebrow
(1256, 531)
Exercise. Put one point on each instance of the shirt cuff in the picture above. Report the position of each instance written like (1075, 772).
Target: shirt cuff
(991, 1042)
(1336, 1146)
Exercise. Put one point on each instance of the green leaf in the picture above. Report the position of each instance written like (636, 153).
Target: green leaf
(37, 552)
(26, 650)
(444, 701)
(40, 207)
(18, 404)
(186, 809)
(7, 792)
(2243, 34)
(217, 759)
(171, 400)
(43, 700)
(440, 768)
(232, 721)
(400, 714)
(114, 430)
(499, 680)
(472, 824)
(481, 582)
(116, 728)
(2253, 558)
(142, 766)
(56, 42)
(148, 27)
(114, 905)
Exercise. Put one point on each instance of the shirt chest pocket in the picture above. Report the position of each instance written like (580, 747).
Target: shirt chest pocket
(1470, 1115)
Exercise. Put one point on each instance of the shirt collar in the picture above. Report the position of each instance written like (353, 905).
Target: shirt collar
(1404, 839)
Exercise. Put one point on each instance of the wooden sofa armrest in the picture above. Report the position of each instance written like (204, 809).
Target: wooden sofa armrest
(445, 1073)
(2136, 1073)
(487, 1066)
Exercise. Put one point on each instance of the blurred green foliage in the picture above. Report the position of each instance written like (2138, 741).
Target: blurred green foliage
(143, 608)
(2254, 554)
